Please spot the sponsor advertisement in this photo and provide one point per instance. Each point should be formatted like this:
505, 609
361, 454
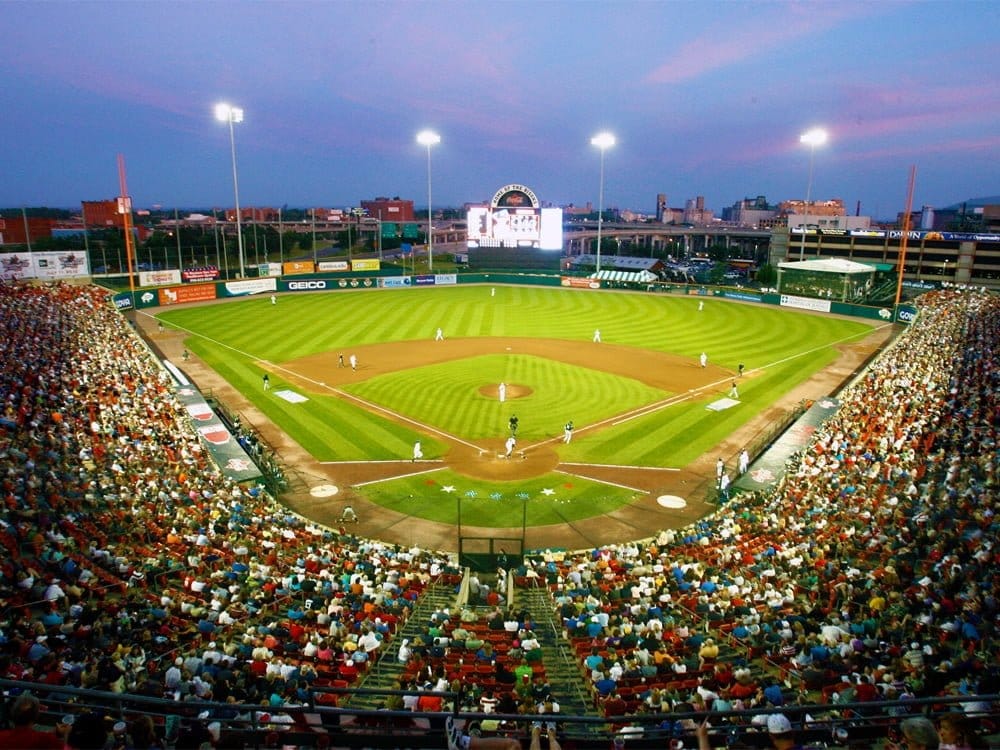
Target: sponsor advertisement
44, 265
365, 264
424, 280
394, 282
293, 267
356, 283
446, 278
333, 265
742, 296
250, 286
123, 301
805, 303
269, 269
178, 295
313, 285
159, 278
200, 273
906, 314
577, 282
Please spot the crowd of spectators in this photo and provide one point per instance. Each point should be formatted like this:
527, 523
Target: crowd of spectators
132, 564
869, 573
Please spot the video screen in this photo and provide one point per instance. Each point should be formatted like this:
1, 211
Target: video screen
539, 228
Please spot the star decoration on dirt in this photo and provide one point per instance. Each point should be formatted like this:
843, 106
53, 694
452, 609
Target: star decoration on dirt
548, 491
447, 488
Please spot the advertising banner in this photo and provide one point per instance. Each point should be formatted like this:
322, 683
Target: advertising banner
333, 265
250, 286
224, 448
44, 265
394, 282
578, 282
159, 278
906, 314
60, 265
365, 264
269, 269
745, 296
292, 267
445, 278
423, 280
200, 273
365, 283
307, 285
805, 303
178, 295
770, 466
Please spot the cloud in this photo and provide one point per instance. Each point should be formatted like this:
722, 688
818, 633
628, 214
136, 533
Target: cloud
733, 42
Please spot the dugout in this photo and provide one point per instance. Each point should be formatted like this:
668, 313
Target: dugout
833, 279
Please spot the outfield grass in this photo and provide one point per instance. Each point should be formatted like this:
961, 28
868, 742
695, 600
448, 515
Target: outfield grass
549, 499
790, 346
447, 395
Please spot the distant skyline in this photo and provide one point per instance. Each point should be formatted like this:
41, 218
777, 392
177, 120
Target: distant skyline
704, 98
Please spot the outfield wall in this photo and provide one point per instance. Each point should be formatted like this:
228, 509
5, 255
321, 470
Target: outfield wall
167, 296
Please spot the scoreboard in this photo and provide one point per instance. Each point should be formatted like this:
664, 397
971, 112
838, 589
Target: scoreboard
513, 219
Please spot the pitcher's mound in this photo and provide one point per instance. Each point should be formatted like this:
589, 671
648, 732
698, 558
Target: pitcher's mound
513, 391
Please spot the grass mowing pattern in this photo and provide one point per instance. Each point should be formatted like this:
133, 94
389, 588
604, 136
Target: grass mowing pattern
232, 337
498, 503
447, 395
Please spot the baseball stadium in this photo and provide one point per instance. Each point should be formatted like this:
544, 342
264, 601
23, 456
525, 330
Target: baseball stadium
496, 508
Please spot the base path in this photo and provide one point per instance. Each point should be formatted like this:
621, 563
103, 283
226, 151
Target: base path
482, 459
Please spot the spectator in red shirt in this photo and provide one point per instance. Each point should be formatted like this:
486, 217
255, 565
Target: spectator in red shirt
23, 716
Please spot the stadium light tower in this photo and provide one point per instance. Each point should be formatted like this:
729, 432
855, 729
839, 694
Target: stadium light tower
225, 113
603, 141
429, 138
812, 138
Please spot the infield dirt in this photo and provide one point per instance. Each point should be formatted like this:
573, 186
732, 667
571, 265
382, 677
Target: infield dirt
639, 519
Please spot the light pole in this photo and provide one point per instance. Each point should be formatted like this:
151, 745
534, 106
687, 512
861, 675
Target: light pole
429, 138
602, 141
226, 113
813, 138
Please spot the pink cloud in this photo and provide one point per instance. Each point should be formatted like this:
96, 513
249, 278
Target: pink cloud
768, 27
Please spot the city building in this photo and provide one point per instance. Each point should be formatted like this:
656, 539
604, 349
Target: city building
930, 256
389, 209
750, 212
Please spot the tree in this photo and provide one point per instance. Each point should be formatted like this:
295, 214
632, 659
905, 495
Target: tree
718, 252
718, 273
767, 275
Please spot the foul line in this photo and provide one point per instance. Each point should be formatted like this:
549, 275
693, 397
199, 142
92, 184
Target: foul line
601, 481
620, 466
399, 476
653, 408
343, 394
381, 461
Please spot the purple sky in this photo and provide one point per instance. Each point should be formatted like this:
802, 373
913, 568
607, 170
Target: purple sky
705, 98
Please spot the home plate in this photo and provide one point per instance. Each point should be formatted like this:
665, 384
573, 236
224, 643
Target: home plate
324, 490
671, 501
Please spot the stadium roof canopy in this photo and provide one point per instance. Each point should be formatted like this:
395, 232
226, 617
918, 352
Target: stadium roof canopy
618, 262
641, 277
830, 265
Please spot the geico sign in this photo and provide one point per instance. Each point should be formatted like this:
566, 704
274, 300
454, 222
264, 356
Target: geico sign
298, 286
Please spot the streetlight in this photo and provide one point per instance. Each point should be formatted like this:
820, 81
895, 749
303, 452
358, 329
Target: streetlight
602, 141
429, 138
813, 138
225, 113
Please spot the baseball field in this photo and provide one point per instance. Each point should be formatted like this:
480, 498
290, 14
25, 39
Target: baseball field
648, 417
